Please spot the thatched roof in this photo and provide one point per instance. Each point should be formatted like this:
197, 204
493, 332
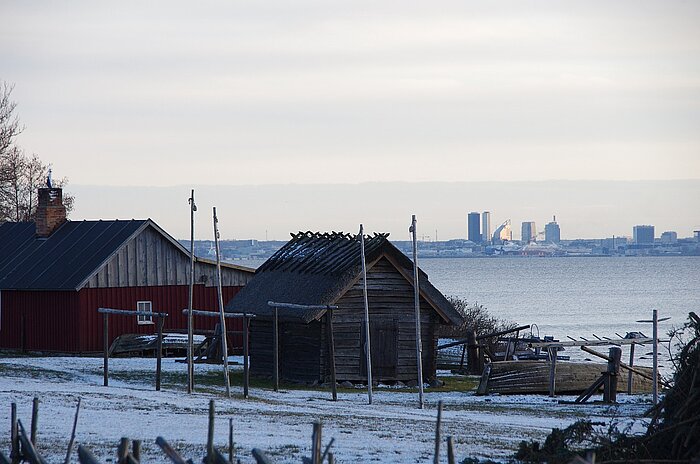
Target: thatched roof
317, 268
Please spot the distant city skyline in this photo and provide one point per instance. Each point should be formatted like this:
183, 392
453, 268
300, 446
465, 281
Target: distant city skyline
584, 209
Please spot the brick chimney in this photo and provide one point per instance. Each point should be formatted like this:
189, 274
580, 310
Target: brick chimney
50, 213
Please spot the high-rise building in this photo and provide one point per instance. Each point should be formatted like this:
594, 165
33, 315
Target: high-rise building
486, 227
528, 232
643, 235
502, 234
669, 237
473, 227
552, 233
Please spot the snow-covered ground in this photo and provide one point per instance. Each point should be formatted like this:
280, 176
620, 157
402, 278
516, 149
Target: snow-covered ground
392, 429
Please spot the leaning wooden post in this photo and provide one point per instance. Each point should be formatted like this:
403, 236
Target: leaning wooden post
655, 365
450, 450
105, 342
630, 376
473, 353
368, 350
230, 441
224, 342
159, 354
331, 352
436, 457
246, 371
72, 435
122, 450
190, 318
610, 389
276, 349
316, 445
553, 370
416, 296
210, 434
14, 435
136, 450
35, 419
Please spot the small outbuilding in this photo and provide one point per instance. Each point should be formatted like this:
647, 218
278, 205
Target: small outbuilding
56, 273
326, 269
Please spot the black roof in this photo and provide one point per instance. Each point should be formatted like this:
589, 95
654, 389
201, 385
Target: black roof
63, 260
316, 268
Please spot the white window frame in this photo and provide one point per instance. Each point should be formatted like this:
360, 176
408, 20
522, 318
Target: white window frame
144, 306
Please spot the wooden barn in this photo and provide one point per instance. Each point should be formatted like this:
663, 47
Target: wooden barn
326, 269
55, 273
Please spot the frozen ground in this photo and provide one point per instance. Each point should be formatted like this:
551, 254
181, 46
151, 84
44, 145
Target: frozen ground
392, 429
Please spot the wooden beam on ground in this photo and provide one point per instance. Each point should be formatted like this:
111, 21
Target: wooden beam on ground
169, 451
85, 456
261, 457
29, 453
624, 366
72, 435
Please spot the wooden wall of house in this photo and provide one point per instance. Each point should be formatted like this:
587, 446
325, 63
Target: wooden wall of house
300, 351
150, 259
391, 307
168, 299
39, 321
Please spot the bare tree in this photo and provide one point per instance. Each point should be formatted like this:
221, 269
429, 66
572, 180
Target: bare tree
21, 175
9, 122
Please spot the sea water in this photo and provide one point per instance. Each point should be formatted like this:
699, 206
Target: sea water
576, 297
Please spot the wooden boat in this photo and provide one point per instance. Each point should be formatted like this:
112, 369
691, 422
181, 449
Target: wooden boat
526, 377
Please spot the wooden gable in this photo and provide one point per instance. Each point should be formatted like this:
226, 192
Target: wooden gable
151, 258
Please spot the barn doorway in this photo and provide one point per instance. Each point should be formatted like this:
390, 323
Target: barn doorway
384, 346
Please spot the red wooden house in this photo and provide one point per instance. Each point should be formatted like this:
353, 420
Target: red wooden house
55, 273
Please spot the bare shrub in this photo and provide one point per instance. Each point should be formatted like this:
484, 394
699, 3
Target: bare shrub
476, 317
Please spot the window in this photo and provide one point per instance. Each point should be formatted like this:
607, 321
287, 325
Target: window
144, 306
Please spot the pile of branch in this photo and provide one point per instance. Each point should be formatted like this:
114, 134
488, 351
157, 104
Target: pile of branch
674, 432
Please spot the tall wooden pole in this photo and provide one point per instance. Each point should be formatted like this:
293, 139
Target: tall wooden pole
246, 374
630, 377
159, 354
105, 342
190, 320
276, 349
331, 352
416, 295
368, 352
224, 347
655, 368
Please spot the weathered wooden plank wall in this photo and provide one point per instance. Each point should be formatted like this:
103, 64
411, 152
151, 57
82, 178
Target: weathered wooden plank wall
304, 348
391, 305
149, 259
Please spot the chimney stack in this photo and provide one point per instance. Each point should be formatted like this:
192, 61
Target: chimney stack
50, 213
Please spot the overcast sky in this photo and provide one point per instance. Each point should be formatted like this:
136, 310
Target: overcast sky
253, 92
